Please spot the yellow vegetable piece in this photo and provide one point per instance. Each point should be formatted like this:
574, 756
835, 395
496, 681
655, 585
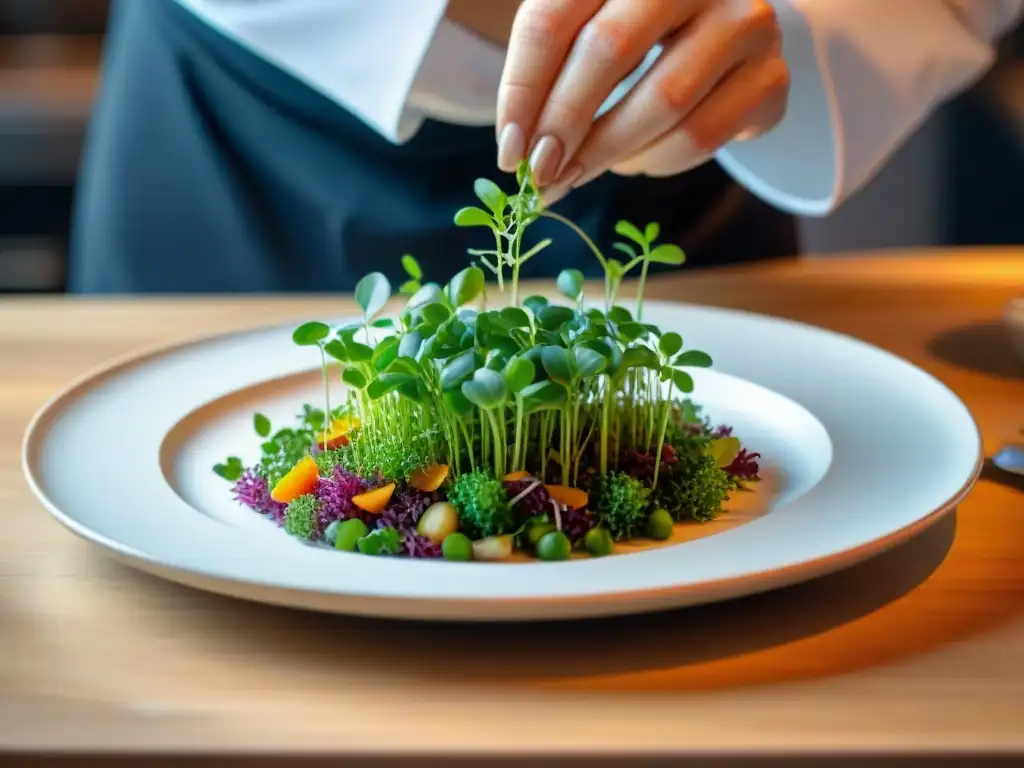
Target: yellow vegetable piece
300, 480
570, 497
375, 501
428, 479
512, 477
337, 435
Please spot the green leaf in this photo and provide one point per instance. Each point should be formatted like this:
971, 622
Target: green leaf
668, 254
693, 358
490, 194
558, 364
474, 217
428, 294
383, 322
724, 450
627, 229
380, 541
651, 232
519, 373
466, 286
372, 293
310, 334
553, 316
570, 283
535, 303
230, 470
409, 287
670, 343
410, 344
261, 424
412, 267
542, 394
458, 369
434, 313
358, 353
625, 248
353, 378
683, 381
615, 269
619, 315
387, 383
336, 349
457, 403
384, 353
589, 362
631, 331
640, 357
515, 317
486, 389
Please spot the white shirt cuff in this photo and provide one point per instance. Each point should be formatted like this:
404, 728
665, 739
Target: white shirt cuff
863, 78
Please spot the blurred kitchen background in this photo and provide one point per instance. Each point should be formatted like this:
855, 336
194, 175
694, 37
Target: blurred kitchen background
957, 182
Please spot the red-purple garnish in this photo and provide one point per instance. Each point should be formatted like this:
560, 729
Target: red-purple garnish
335, 496
420, 546
253, 491
531, 497
744, 466
406, 510
576, 523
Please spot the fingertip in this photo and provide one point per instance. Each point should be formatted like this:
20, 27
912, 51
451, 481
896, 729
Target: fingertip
511, 147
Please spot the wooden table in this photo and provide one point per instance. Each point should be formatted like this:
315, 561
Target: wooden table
921, 649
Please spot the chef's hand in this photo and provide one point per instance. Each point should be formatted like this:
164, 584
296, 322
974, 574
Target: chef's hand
721, 77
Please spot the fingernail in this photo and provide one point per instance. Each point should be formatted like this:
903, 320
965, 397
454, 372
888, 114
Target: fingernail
511, 147
545, 160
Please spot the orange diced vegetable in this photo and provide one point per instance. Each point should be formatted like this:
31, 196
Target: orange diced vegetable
512, 477
337, 435
428, 479
570, 497
300, 480
375, 501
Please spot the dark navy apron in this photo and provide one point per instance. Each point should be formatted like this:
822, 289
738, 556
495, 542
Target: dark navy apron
209, 169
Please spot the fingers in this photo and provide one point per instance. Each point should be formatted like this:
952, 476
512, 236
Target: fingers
750, 100
608, 47
694, 65
542, 35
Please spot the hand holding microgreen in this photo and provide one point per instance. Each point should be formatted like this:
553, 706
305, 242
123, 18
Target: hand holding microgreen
534, 426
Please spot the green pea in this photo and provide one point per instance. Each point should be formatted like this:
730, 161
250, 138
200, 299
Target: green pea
598, 542
554, 546
349, 533
458, 547
538, 531
660, 525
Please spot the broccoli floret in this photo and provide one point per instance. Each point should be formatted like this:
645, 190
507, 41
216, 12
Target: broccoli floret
482, 502
694, 488
621, 503
300, 517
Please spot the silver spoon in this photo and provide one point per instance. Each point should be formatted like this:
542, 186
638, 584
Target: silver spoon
1010, 458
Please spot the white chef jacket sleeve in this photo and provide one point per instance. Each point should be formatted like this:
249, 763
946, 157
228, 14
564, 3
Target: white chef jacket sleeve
367, 55
865, 74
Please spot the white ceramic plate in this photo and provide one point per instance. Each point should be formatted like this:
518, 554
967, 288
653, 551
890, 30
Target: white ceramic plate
866, 450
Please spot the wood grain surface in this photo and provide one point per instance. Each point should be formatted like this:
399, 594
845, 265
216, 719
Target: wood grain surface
920, 649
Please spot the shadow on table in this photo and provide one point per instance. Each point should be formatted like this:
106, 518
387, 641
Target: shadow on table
983, 348
707, 647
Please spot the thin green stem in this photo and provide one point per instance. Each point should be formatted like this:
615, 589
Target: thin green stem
640, 291
661, 444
